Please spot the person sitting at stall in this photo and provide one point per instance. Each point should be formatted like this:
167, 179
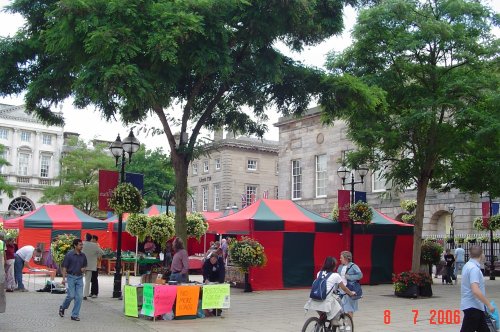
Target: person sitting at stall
214, 269
149, 246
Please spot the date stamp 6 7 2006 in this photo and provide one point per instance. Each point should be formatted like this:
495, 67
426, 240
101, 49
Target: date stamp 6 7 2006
436, 317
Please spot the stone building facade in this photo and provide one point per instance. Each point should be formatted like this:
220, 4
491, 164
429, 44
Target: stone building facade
232, 168
309, 156
33, 150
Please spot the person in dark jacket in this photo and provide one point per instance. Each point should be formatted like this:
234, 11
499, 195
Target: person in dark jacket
214, 269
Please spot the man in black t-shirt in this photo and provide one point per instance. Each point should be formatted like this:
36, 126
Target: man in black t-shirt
73, 268
450, 261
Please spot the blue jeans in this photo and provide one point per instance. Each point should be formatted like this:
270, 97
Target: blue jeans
177, 276
75, 291
18, 271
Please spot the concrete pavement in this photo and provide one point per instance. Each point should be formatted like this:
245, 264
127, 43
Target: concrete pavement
257, 311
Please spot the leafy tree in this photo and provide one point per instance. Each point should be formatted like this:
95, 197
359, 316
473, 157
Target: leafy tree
415, 86
79, 177
135, 57
4, 186
158, 174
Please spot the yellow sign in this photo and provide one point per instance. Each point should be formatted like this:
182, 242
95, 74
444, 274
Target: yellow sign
215, 297
187, 300
131, 301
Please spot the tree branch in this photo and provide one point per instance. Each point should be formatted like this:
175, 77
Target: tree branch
166, 127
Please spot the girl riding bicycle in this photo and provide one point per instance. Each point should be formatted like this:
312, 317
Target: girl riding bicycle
330, 305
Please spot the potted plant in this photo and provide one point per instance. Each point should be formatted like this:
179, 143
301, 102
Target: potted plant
196, 225
137, 225
430, 254
470, 239
60, 247
408, 205
126, 198
161, 228
405, 284
247, 253
361, 212
460, 240
483, 239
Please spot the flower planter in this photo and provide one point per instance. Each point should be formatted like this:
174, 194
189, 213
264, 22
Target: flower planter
425, 290
410, 292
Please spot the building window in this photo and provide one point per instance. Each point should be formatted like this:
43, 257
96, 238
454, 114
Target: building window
23, 163
47, 139
194, 200
217, 164
204, 198
44, 166
296, 180
321, 175
251, 194
4, 133
25, 136
251, 165
277, 168
216, 197
195, 169
205, 166
4, 156
378, 181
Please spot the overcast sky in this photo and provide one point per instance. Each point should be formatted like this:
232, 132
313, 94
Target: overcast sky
89, 124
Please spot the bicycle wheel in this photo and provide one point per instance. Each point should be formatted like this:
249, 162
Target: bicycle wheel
346, 324
313, 324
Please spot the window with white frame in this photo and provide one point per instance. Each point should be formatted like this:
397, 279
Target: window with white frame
47, 139
194, 200
296, 179
251, 193
23, 163
205, 166
25, 136
204, 198
216, 197
321, 176
195, 168
217, 164
251, 165
379, 183
45, 166
5, 156
4, 133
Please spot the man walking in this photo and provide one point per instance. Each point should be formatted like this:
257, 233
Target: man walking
93, 252
473, 300
73, 267
22, 259
459, 261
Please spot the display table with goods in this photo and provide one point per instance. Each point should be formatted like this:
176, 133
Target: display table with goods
167, 302
128, 263
196, 261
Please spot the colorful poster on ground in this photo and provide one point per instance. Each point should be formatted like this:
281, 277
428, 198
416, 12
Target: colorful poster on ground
187, 300
215, 297
131, 301
164, 298
148, 300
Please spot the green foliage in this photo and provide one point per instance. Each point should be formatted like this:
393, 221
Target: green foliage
9, 233
409, 205
79, 176
408, 218
61, 246
431, 252
247, 253
361, 212
161, 228
335, 212
493, 223
126, 198
137, 225
4, 186
136, 57
419, 83
403, 280
196, 225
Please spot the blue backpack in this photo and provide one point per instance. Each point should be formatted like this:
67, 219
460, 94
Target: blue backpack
318, 289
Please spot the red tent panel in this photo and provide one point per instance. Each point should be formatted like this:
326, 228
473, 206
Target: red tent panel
270, 276
326, 244
363, 252
403, 253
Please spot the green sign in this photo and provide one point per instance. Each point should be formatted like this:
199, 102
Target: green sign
148, 300
131, 301
215, 297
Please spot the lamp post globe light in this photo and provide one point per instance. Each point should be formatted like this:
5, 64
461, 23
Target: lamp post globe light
343, 172
120, 151
451, 209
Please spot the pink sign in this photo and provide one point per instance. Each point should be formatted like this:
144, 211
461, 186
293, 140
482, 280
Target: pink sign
164, 298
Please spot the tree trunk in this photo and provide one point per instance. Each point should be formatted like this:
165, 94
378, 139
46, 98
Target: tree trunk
419, 222
180, 162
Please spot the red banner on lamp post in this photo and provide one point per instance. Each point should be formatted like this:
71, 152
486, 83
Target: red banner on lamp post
344, 199
108, 181
485, 207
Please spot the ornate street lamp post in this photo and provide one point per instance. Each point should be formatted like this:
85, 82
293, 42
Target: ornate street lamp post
451, 208
343, 172
121, 150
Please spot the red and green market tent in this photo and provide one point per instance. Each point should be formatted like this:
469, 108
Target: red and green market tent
381, 248
45, 223
296, 241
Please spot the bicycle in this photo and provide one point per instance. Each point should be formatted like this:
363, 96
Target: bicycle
321, 324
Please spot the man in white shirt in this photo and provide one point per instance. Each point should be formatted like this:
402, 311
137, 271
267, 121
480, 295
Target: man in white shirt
459, 261
93, 252
21, 260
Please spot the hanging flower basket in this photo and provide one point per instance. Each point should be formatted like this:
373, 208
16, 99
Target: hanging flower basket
196, 225
61, 246
161, 228
361, 212
126, 198
247, 253
409, 205
430, 253
137, 225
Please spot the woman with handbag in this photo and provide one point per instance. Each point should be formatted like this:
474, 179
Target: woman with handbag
349, 272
